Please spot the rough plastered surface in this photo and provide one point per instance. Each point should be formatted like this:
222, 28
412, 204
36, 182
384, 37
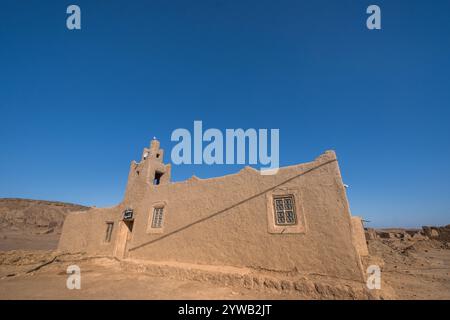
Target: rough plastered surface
225, 221
300, 286
359, 237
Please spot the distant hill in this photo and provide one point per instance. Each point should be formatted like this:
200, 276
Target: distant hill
32, 215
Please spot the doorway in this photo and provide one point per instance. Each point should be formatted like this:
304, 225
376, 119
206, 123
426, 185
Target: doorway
123, 238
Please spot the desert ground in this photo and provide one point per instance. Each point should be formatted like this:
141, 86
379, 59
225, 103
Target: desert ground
413, 267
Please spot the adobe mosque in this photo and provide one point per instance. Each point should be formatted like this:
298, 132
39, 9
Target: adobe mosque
297, 219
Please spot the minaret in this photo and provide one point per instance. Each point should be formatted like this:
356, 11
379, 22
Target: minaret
150, 172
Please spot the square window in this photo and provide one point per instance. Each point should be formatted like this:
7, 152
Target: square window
285, 210
157, 217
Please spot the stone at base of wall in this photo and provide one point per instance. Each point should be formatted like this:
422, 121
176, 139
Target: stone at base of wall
301, 286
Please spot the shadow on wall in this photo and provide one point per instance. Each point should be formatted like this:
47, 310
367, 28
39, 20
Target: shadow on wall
231, 207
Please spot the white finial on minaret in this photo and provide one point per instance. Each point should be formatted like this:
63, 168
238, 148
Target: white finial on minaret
154, 138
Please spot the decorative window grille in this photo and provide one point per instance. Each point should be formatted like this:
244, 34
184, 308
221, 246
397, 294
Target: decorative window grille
109, 228
284, 207
157, 217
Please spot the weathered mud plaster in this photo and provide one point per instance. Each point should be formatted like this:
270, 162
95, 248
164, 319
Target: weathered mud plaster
359, 237
228, 221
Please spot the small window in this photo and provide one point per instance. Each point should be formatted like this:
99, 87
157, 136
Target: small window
109, 228
157, 178
157, 217
157, 155
284, 209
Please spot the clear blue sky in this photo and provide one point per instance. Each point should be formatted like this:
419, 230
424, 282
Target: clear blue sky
77, 106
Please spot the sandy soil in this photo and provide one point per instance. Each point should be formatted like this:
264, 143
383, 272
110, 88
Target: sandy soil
414, 269
16, 240
103, 279
410, 270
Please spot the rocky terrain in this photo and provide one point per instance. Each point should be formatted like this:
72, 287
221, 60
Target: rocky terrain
32, 224
415, 264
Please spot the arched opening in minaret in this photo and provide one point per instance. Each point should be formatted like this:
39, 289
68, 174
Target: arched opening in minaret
157, 178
